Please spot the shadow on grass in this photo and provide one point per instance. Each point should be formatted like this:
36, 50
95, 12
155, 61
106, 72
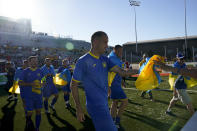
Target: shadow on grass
3, 91
7, 121
167, 103
68, 127
88, 125
152, 122
131, 102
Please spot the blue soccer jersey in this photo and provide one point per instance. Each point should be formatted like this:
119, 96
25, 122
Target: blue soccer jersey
116, 90
92, 71
50, 87
182, 85
17, 77
66, 75
33, 95
60, 69
18, 73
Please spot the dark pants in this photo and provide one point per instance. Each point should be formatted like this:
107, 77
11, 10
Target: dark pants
149, 92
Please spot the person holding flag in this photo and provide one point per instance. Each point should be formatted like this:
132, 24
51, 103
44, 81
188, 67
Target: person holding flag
65, 74
142, 64
180, 87
49, 88
17, 77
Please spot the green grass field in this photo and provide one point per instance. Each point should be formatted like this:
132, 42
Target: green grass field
140, 115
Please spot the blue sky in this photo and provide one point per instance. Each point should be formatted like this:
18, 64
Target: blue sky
80, 18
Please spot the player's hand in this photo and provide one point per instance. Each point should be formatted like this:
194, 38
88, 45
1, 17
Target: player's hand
80, 114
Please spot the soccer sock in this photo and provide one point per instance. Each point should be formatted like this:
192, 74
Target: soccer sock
117, 119
46, 105
38, 119
66, 98
54, 101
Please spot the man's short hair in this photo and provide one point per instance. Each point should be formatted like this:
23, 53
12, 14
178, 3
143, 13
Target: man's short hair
117, 47
32, 57
97, 34
25, 61
47, 59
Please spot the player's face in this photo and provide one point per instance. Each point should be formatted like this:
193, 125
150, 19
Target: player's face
65, 62
25, 64
119, 52
102, 45
34, 62
48, 62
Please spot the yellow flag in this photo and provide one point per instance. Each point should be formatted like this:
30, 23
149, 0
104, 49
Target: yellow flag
15, 88
59, 81
147, 78
172, 79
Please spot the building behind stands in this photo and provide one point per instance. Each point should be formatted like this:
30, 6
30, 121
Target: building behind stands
19, 32
164, 47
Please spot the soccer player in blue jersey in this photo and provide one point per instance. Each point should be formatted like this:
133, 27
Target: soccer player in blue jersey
117, 93
180, 89
31, 80
49, 88
65, 71
92, 70
17, 77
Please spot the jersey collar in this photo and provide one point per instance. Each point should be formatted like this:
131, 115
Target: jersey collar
97, 57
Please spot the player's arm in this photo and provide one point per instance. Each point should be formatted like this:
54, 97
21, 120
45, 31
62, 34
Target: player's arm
22, 83
122, 72
181, 71
75, 93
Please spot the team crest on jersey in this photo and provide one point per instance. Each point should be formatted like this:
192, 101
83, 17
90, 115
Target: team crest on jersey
94, 65
38, 74
104, 64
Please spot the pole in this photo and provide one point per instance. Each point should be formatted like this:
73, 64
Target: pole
193, 53
131, 56
135, 31
185, 31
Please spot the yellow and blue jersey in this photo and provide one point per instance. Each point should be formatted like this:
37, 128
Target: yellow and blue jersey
116, 90
30, 75
66, 76
46, 71
173, 77
61, 68
92, 71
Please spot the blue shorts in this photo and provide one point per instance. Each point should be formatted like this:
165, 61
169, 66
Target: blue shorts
117, 93
101, 118
66, 88
33, 102
49, 90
